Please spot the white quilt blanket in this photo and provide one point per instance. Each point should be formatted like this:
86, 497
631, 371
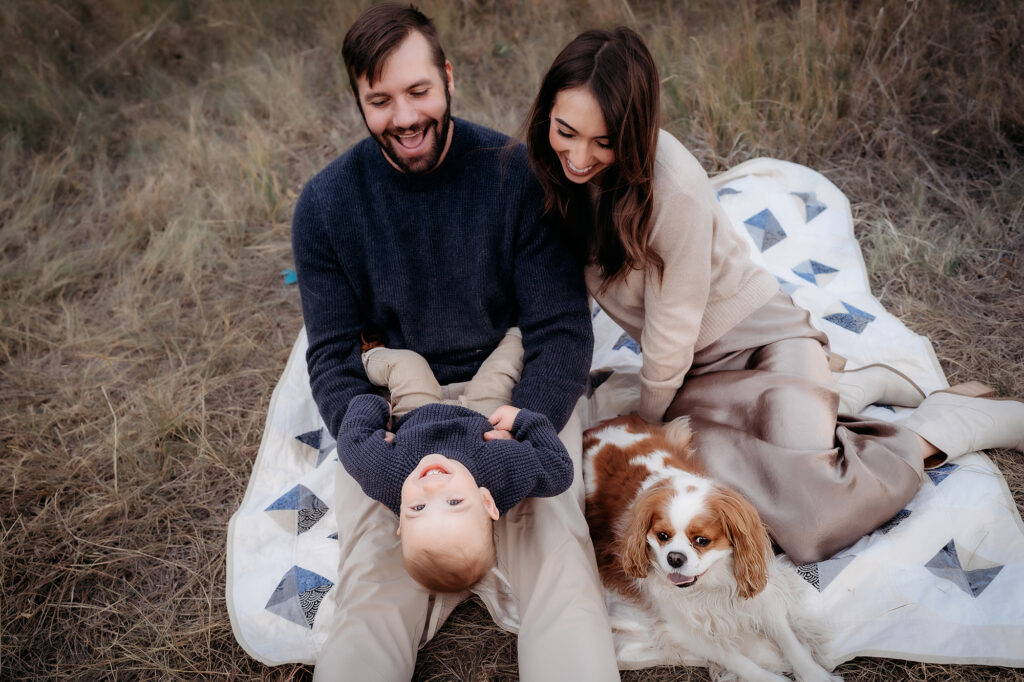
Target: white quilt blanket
941, 582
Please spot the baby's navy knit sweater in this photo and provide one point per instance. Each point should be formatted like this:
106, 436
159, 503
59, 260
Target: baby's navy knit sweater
535, 464
442, 263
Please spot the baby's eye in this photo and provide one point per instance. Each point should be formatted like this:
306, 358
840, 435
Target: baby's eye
454, 502
663, 536
417, 507
701, 541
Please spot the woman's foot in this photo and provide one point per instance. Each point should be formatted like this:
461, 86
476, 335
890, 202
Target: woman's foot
957, 424
875, 384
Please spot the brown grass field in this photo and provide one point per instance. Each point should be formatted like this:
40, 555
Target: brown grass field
151, 152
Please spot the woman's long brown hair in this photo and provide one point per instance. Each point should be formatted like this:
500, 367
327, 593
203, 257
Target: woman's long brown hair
616, 67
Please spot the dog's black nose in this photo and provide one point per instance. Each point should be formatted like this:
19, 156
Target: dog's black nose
676, 559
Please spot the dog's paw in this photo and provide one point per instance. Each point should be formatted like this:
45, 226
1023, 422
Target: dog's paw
817, 675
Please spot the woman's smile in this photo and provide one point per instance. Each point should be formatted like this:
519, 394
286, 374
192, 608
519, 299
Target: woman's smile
579, 136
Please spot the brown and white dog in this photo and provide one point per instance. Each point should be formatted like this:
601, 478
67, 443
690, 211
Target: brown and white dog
693, 555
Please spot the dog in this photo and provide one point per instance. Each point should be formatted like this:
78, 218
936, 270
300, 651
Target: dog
693, 555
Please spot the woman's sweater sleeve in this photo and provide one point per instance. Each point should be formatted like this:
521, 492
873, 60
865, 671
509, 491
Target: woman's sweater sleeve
682, 232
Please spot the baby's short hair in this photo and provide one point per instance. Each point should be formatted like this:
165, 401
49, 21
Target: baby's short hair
451, 569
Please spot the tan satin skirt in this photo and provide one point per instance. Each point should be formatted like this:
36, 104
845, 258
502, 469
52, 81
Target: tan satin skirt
763, 406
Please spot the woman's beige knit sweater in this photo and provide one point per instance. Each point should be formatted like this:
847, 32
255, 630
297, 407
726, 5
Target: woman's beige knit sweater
709, 284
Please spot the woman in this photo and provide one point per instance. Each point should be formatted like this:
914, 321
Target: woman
720, 342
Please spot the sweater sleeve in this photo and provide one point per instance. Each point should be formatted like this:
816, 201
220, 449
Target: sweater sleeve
535, 464
364, 453
674, 306
330, 313
558, 340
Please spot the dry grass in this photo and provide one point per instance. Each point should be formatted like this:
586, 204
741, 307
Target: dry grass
150, 156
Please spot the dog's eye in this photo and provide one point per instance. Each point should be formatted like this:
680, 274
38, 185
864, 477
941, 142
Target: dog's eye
663, 536
701, 541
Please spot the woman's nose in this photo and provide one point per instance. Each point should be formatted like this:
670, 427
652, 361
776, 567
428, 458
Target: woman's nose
580, 157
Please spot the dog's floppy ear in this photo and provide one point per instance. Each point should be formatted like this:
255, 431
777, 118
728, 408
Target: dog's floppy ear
635, 558
751, 547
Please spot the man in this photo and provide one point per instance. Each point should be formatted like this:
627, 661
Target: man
427, 234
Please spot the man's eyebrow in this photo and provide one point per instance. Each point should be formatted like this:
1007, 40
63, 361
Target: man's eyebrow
596, 137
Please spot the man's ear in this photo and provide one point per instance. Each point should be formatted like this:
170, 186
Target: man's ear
489, 505
448, 77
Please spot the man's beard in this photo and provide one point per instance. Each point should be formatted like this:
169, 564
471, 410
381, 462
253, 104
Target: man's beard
423, 163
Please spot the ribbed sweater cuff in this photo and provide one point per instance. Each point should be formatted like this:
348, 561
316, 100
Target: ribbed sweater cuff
654, 402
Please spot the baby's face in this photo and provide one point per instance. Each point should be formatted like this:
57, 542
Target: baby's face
444, 512
441, 493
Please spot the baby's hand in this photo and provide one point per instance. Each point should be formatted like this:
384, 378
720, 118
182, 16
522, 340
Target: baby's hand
388, 436
502, 420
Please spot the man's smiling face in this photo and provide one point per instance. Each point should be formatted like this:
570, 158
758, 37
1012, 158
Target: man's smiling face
408, 109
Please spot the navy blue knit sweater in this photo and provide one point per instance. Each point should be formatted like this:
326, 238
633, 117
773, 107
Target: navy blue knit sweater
442, 263
535, 464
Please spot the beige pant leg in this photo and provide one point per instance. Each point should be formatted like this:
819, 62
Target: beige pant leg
544, 550
763, 404
491, 386
405, 374
381, 611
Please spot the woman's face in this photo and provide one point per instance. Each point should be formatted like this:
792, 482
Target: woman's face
579, 136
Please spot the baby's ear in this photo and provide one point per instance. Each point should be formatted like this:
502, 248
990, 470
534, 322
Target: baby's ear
489, 505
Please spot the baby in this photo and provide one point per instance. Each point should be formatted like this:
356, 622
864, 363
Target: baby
445, 480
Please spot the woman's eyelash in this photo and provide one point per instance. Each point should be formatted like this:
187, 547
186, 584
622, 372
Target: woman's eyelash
602, 145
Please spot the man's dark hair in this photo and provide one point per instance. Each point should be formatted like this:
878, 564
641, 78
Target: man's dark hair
377, 33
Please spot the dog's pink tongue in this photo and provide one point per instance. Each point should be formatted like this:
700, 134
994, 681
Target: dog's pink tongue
680, 580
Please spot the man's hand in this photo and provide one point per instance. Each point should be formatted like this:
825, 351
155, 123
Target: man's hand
502, 419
